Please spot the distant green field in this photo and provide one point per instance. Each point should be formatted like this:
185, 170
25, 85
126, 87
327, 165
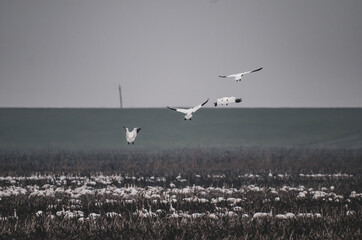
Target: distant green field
102, 128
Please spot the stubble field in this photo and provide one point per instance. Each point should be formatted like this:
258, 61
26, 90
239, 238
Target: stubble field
249, 193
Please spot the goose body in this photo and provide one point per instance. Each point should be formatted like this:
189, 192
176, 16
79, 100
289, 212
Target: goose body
238, 76
281, 217
260, 215
227, 100
189, 112
131, 135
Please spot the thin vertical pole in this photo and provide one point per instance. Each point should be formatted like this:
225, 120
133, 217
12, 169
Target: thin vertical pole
120, 96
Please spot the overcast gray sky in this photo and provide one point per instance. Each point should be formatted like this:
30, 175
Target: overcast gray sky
74, 53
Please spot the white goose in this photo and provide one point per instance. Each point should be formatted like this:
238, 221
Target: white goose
227, 100
131, 136
188, 112
238, 76
260, 215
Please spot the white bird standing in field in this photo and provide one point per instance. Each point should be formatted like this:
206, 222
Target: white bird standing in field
238, 76
188, 112
227, 100
260, 215
131, 136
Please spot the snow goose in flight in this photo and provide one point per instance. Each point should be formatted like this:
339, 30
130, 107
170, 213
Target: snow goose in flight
238, 76
188, 112
227, 100
131, 136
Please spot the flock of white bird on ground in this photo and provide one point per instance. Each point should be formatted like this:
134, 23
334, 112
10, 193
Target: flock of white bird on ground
131, 135
71, 193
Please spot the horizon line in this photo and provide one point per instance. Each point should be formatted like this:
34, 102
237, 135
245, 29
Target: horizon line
125, 108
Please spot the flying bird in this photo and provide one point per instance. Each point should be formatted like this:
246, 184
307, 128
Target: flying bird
188, 112
238, 76
227, 100
131, 136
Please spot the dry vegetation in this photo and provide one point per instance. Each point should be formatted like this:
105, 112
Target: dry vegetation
236, 193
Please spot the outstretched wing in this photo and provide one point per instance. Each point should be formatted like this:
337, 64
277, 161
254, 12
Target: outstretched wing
257, 69
199, 106
253, 71
204, 102
229, 76
181, 110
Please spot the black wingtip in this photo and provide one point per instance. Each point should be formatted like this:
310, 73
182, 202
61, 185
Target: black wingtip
222, 76
171, 108
215, 104
138, 129
257, 69
205, 102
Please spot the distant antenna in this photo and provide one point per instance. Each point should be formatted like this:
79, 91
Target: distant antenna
120, 96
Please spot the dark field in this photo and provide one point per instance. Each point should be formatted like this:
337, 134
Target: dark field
182, 194
227, 174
